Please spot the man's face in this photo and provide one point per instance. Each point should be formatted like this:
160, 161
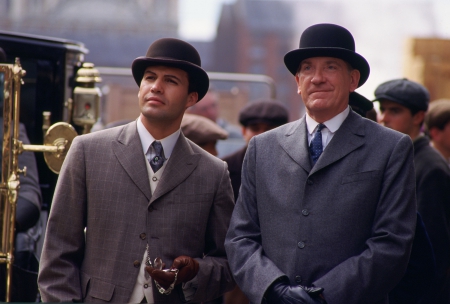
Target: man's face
398, 117
163, 94
255, 129
442, 137
324, 84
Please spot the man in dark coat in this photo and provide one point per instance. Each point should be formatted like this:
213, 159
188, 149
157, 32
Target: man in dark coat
403, 104
326, 209
256, 117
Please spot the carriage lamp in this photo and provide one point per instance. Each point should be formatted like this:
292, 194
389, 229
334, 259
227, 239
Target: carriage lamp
86, 97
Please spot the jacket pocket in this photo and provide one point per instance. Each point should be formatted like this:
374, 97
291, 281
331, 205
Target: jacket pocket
360, 176
96, 288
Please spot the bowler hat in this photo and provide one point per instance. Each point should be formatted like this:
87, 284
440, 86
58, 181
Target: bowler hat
174, 53
327, 40
263, 111
408, 93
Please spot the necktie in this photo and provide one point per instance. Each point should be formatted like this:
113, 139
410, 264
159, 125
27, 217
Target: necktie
157, 162
316, 148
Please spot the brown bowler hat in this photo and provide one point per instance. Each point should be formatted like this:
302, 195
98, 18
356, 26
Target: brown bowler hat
327, 40
174, 53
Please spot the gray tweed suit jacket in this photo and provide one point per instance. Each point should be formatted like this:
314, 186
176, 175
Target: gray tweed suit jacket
345, 224
104, 187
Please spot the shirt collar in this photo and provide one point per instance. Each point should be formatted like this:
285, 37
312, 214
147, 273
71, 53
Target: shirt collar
147, 139
332, 125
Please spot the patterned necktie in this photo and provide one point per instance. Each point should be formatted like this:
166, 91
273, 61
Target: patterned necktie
316, 148
157, 162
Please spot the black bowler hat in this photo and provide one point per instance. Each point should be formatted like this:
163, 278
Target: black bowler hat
327, 40
408, 93
263, 111
174, 53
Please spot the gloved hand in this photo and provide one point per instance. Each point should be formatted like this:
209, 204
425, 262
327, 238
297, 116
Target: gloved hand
281, 292
187, 266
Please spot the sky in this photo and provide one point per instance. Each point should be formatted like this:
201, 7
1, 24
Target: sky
198, 18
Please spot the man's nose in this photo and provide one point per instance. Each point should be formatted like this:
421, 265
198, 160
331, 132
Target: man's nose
156, 86
318, 76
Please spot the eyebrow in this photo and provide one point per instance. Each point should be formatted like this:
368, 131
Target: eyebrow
165, 75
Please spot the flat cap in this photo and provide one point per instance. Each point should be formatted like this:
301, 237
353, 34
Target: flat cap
201, 130
266, 111
408, 93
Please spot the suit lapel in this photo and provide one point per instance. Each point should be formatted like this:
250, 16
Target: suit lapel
128, 150
180, 165
348, 138
295, 143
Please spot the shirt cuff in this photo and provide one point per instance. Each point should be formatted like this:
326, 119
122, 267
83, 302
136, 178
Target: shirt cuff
190, 288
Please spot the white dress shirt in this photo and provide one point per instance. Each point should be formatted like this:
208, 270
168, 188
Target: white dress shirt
331, 126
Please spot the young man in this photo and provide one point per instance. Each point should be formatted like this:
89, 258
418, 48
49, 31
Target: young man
437, 121
326, 210
403, 104
146, 196
255, 118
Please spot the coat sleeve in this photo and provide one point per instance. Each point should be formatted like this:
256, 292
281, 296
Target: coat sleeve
63, 250
369, 276
214, 277
253, 271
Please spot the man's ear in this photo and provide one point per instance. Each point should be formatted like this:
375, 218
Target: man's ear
191, 99
355, 75
418, 118
297, 80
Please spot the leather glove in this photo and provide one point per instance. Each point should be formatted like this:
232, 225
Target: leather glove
281, 292
187, 266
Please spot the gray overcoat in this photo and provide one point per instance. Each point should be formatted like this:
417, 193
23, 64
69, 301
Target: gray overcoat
104, 186
346, 224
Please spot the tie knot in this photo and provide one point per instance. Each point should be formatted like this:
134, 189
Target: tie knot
157, 162
320, 127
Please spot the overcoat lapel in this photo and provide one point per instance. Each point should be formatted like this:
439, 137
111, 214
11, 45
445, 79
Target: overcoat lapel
128, 150
348, 138
180, 165
295, 143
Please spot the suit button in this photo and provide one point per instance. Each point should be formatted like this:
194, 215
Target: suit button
145, 285
301, 245
143, 236
305, 212
154, 178
309, 182
136, 263
298, 279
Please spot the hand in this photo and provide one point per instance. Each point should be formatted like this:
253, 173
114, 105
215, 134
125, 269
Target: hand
188, 268
283, 293
164, 278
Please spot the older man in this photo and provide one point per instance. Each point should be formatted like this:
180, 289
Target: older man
326, 210
147, 196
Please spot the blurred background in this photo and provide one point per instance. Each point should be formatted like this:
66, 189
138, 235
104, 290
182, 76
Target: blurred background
399, 38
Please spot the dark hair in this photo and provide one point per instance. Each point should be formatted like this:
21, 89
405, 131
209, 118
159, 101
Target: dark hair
438, 114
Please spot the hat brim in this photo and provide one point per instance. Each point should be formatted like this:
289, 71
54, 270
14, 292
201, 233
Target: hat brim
196, 73
293, 59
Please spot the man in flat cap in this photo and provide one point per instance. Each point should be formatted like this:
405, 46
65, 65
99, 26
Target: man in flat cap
326, 209
403, 104
138, 198
256, 117
203, 132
